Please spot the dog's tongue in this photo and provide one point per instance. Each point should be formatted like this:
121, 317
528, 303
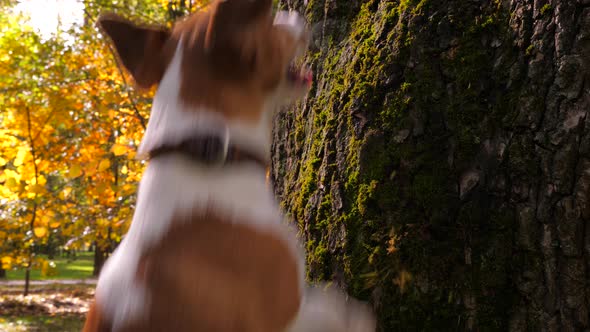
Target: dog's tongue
302, 75
308, 77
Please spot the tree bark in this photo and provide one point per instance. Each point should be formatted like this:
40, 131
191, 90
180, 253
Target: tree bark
440, 166
27, 278
100, 257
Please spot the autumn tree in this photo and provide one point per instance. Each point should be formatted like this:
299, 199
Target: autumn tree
71, 120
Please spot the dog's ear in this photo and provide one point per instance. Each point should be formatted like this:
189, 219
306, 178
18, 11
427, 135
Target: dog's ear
140, 49
229, 15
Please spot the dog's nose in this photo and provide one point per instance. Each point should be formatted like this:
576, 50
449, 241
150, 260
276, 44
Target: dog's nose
292, 20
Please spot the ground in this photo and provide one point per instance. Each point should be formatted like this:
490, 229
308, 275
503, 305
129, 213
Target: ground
57, 303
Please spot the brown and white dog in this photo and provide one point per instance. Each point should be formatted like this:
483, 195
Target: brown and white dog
208, 248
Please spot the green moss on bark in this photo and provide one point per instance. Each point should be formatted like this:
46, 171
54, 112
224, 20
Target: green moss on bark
402, 106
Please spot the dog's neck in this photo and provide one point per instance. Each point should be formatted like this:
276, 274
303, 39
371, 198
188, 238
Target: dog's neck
172, 120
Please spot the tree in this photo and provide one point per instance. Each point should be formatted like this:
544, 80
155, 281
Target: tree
440, 166
70, 121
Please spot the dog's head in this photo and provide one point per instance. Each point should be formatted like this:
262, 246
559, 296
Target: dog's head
235, 56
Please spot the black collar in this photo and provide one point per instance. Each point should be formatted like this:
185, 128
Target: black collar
209, 150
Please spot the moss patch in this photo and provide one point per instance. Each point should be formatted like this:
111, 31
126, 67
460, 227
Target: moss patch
407, 95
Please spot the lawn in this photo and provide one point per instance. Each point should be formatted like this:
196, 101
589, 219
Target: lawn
78, 268
41, 324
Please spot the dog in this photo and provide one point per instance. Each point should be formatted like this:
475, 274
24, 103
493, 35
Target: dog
208, 248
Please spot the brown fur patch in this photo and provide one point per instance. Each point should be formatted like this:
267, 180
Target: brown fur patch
95, 321
210, 275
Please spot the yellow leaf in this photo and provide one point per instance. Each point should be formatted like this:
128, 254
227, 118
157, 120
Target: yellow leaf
54, 224
124, 169
40, 231
47, 218
104, 164
41, 180
2, 161
20, 157
65, 193
91, 168
11, 183
402, 280
6, 262
119, 149
101, 187
36, 189
75, 171
48, 269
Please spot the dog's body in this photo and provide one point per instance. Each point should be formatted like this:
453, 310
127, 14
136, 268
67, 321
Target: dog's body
208, 248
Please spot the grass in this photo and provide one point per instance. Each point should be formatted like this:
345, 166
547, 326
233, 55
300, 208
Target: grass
41, 323
79, 268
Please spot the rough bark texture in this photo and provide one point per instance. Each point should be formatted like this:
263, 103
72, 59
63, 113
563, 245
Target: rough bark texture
440, 166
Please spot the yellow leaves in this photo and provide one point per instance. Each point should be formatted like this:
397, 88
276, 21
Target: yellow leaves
48, 268
101, 188
402, 280
119, 149
65, 193
2, 161
392, 242
75, 171
36, 186
20, 156
43, 166
91, 168
103, 222
54, 224
40, 231
40, 180
104, 165
11, 183
36, 189
48, 218
6, 262
112, 114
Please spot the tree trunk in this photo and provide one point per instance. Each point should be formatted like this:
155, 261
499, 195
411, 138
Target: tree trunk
27, 279
100, 257
2, 273
440, 166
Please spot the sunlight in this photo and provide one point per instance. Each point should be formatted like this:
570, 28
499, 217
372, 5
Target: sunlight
46, 15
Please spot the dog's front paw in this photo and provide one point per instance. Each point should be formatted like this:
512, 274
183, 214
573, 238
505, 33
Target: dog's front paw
360, 317
327, 310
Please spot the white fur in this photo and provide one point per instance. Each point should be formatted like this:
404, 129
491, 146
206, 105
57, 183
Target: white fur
294, 22
325, 309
